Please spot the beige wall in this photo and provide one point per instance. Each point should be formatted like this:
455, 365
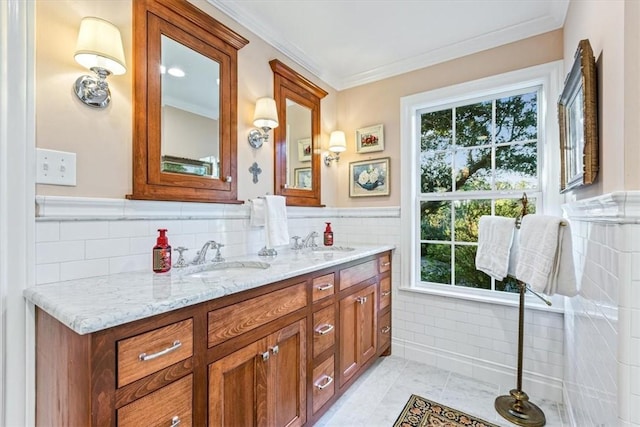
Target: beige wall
602, 23
102, 138
379, 102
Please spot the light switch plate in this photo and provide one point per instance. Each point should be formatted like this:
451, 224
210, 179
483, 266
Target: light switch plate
55, 167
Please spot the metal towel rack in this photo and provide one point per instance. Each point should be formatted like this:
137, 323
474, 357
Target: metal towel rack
516, 406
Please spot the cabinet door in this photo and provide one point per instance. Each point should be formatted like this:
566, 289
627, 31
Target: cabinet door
235, 397
358, 330
262, 384
287, 374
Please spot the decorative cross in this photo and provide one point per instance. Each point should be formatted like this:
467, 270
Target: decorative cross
255, 170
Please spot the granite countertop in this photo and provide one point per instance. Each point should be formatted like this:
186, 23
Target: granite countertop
97, 303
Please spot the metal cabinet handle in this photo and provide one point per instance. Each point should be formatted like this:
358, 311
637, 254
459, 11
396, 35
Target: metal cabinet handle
386, 329
144, 356
324, 329
275, 349
228, 178
385, 264
265, 356
175, 421
324, 382
385, 293
361, 300
325, 287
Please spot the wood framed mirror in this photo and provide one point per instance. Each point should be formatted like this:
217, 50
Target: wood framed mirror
297, 138
185, 104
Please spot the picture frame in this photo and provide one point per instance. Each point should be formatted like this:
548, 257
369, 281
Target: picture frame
185, 166
578, 122
370, 139
369, 178
304, 150
302, 177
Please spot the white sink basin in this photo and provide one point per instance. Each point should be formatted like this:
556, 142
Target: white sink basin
229, 269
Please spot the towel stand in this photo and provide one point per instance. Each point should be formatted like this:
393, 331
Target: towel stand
516, 407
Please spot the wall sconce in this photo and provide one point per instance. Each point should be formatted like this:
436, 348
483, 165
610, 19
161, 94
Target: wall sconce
266, 118
337, 144
99, 48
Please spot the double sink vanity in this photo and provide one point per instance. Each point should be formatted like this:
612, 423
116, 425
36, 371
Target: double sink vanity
247, 341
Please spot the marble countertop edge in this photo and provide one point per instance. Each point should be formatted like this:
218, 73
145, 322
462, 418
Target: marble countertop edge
97, 303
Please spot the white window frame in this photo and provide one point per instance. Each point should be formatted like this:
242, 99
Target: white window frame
549, 76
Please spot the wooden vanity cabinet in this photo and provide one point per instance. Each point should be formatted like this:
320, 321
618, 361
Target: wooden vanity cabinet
277, 355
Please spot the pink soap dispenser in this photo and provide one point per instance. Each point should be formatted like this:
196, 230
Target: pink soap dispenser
162, 253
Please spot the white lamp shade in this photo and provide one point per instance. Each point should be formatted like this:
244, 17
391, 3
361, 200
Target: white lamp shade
266, 114
100, 45
337, 142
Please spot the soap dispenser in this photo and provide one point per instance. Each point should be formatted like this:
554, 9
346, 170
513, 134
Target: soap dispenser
328, 235
162, 253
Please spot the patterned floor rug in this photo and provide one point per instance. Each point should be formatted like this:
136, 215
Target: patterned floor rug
421, 412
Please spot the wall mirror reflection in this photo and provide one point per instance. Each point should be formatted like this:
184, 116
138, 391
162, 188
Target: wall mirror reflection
185, 104
297, 139
190, 140
298, 144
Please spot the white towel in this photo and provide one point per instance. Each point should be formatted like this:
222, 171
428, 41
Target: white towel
545, 256
276, 221
495, 236
257, 213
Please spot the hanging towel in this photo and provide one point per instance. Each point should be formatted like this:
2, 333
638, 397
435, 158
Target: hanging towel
545, 256
257, 213
276, 221
513, 255
495, 236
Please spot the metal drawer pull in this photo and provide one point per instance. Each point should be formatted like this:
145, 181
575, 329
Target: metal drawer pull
327, 380
144, 356
275, 349
265, 356
385, 264
324, 329
325, 287
386, 329
386, 293
361, 300
175, 421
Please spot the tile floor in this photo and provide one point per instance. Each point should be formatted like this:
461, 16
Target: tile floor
377, 398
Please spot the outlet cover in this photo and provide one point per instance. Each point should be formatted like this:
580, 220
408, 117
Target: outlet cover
55, 167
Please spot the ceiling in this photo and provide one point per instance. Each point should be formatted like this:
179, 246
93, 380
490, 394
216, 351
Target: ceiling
352, 42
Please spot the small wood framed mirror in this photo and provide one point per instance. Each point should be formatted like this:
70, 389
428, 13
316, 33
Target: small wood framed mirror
297, 138
185, 104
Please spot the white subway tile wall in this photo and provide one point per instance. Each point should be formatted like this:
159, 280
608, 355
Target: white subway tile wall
593, 330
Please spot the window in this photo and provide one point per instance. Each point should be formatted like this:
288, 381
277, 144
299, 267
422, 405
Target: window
474, 149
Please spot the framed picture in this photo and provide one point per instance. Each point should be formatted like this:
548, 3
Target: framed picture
370, 139
186, 166
369, 178
304, 150
578, 120
302, 177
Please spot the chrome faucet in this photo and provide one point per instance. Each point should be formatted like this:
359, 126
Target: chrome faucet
217, 246
201, 256
310, 240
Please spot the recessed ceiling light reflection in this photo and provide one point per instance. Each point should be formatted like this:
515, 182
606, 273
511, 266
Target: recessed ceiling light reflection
176, 72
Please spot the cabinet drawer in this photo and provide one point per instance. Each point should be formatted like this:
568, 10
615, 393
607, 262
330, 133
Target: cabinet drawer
323, 286
171, 405
234, 320
324, 335
385, 292
152, 351
323, 384
384, 331
358, 273
384, 263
